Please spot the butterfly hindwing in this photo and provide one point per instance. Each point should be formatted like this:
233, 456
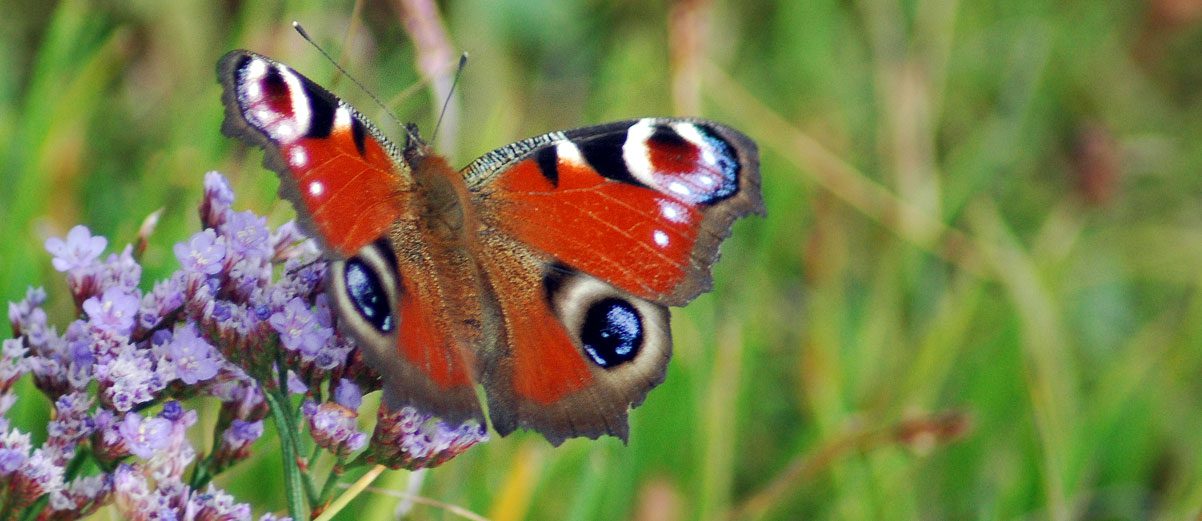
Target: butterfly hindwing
574, 353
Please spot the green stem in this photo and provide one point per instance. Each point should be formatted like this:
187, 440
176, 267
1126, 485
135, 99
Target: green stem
291, 414
332, 479
292, 476
32, 512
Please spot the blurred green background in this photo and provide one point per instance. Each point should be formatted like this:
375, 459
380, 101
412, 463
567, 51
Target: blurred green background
976, 294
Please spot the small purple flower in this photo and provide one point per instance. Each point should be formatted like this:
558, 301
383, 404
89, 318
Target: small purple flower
299, 330
113, 311
216, 505
348, 395
70, 425
39, 475
285, 239
12, 363
145, 436
247, 234
202, 254
121, 271
295, 384
20, 312
163, 300
79, 250
11, 460
242, 433
193, 358
107, 441
217, 200
170, 463
333, 426
81, 497
236, 442
128, 380
411, 439
134, 497
14, 451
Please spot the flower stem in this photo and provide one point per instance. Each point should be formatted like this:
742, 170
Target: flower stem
293, 492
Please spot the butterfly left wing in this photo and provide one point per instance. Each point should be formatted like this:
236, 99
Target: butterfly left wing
586, 237
340, 172
410, 302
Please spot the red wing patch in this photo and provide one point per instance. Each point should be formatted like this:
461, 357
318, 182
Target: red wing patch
338, 171
642, 205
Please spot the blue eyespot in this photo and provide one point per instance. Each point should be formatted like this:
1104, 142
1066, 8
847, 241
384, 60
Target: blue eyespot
364, 289
612, 333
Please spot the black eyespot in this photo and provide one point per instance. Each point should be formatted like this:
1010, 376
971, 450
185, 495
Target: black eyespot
364, 289
612, 333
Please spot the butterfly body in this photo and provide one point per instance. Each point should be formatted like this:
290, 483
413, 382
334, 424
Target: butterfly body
541, 271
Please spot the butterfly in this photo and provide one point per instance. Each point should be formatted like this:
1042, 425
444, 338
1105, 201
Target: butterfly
541, 272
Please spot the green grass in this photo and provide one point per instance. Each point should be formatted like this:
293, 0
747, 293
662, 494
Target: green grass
929, 247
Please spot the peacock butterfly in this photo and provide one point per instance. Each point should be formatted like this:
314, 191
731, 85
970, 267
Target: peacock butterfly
542, 271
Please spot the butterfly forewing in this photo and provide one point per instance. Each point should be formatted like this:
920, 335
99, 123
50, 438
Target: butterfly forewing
339, 171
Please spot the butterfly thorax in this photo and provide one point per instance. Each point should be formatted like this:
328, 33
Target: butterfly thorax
439, 202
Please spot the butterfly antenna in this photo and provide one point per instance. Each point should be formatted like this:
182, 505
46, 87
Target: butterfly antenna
304, 34
447, 102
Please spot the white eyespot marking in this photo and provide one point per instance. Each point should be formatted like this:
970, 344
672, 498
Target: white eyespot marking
253, 92
689, 132
256, 69
316, 188
298, 158
284, 132
672, 211
292, 128
680, 188
568, 151
660, 238
637, 154
706, 180
342, 119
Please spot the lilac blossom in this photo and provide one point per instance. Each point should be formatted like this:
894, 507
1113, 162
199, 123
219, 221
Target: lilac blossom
81, 497
411, 439
217, 200
40, 474
203, 253
348, 395
79, 249
128, 380
192, 358
144, 436
113, 311
334, 427
236, 442
120, 271
13, 363
299, 329
248, 235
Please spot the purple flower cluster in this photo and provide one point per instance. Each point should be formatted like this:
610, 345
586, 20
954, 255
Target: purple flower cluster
246, 307
409, 438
